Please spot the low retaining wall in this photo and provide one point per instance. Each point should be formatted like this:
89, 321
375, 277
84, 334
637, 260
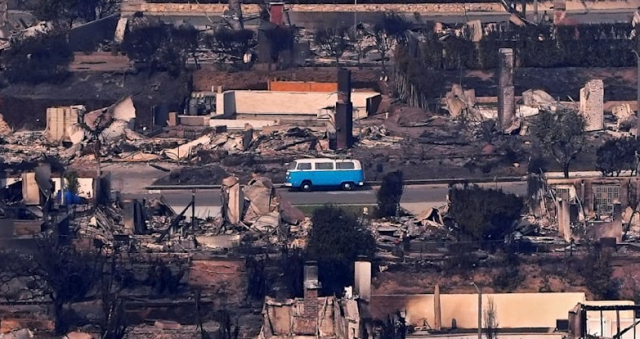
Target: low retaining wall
155, 8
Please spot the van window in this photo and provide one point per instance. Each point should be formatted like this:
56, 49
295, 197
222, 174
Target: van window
324, 166
304, 166
293, 165
345, 165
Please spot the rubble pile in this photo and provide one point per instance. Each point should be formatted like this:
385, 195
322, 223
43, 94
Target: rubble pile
429, 225
294, 140
256, 213
4, 127
378, 136
260, 209
26, 147
109, 133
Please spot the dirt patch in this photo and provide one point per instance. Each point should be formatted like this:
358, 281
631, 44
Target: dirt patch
550, 272
209, 76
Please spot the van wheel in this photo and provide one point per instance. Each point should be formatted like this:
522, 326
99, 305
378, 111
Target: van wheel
347, 186
306, 186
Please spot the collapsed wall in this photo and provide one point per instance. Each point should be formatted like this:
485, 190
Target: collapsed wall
25, 106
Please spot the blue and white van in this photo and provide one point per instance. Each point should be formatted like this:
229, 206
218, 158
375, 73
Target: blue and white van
304, 174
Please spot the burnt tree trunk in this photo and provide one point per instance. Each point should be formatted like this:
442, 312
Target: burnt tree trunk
235, 8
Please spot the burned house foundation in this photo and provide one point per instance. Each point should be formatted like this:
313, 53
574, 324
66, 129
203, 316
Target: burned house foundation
603, 205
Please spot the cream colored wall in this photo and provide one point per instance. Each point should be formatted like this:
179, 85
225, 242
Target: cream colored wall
514, 310
283, 103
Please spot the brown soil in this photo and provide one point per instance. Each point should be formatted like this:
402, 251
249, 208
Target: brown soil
548, 274
209, 76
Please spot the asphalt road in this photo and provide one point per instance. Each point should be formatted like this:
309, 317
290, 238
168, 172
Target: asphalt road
412, 194
314, 19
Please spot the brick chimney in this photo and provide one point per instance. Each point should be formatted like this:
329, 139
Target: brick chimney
309, 324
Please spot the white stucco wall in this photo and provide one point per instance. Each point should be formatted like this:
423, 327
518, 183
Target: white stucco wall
85, 188
288, 103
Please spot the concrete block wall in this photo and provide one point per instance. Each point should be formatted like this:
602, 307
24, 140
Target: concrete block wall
585, 188
59, 119
288, 103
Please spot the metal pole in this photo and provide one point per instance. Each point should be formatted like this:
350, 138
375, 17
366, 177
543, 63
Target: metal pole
193, 209
618, 324
355, 15
601, 325
479, 315
479, 310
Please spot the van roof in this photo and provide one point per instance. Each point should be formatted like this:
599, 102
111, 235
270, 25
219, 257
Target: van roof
322, 159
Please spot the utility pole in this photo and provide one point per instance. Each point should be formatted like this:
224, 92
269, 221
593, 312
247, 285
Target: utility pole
479, 309
355, 16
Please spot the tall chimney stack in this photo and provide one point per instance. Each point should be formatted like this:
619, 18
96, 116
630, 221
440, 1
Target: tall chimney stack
344, 111
506, 90
362, 279
309, 324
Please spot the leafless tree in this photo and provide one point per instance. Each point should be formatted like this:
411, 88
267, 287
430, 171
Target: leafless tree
55, 271
229, 329
633, 196
357, 39
490, 320
114, 280
166, 278
384, 42
69, 13
199, 321
231, 45
236, 21
333, 42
